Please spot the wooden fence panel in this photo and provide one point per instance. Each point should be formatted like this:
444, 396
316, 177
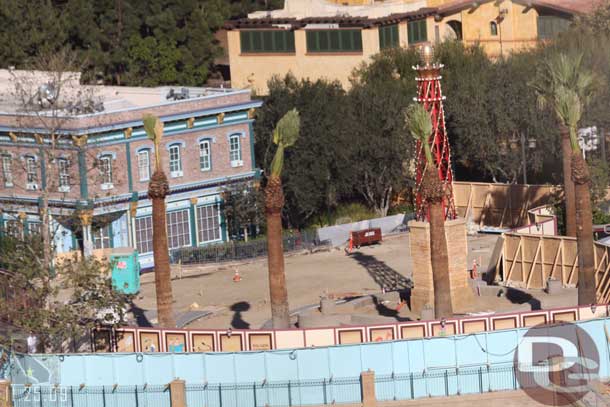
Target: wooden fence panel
529, 260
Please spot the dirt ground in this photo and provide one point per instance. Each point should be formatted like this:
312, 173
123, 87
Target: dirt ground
245, 304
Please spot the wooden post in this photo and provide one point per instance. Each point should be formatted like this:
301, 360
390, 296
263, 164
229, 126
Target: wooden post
367, 383
6, 397
177, 393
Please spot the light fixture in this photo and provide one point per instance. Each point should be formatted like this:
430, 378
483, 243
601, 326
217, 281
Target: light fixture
426, 53
443, 322
593, 308
229, 332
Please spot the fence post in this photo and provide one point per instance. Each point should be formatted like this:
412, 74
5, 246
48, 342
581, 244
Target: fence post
367, 383
177, 393
6, 397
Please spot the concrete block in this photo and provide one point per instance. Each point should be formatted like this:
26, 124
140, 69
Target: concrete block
327, 306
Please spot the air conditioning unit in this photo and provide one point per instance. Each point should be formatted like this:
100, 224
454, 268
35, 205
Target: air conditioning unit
32, 187
237, 163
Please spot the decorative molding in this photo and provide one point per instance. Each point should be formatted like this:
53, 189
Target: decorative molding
79, 141
128, 132
13, 136
181, 143
220, 118
133, 208
251, 112
85, 217
194, 201
190, 122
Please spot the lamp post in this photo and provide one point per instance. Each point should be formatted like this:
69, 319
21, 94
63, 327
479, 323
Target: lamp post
531, 144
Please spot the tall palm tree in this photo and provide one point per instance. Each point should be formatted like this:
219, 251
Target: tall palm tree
433, 191
285, 135
564, 83
158, 188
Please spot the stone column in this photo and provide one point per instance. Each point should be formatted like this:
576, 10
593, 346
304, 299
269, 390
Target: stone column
367, 383
457, 245
177, 393
86, 216
6, 397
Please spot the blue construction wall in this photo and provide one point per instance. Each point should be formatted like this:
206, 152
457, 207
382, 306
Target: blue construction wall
385, 358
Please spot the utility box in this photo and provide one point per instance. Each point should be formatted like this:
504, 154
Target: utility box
125, 270
366, 237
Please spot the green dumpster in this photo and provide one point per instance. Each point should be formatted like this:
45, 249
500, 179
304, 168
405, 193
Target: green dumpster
125, 270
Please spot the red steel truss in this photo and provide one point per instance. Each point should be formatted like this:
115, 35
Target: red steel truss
430, 95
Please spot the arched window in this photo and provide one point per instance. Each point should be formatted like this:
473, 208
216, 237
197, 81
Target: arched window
493, 28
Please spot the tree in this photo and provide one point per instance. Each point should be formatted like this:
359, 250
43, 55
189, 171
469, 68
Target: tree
285, 135
379, 150
316, 172
158, 188
420, 125
243, 205
60, 312
563, 82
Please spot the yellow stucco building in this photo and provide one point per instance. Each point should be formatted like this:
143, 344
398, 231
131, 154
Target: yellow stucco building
329, 38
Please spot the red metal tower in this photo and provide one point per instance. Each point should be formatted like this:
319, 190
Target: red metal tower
430, 95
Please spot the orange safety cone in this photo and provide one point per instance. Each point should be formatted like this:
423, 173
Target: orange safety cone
236, 277
350, 247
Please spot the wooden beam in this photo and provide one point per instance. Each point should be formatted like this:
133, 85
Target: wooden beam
555, 260
512, 266
572, 269
531, 272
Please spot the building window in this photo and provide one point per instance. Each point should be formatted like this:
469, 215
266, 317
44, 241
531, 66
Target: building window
34, 228
418, 31
102, 237
493, 28
178, 229
7, 170
144, 234
14, 228
550, 26
334, 41
388, 36
208, 223
175, 161
235, 151
31, 170
144, 165
272, 41
105, 167
64, 175
205, 155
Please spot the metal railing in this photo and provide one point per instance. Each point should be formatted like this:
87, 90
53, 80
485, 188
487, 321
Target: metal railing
440, 382
239, 250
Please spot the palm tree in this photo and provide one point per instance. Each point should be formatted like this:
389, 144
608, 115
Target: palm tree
285, 135
564, 83
433, 191
158, 188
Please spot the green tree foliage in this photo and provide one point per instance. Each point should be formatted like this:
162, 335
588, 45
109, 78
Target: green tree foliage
57, 310
243, 206
141, 42
313, 171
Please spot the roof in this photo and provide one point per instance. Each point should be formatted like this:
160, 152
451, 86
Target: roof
18, 85
342, 21
562, 6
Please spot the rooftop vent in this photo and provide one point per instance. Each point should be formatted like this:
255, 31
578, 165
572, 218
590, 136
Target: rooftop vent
182, 95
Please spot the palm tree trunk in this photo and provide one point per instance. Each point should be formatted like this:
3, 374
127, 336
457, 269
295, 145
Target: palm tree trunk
433, 193
568, 183
157, 191
584, 231
274, 201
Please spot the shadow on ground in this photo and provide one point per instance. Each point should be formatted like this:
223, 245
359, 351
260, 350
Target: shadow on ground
238, 322
516, 296
385, 276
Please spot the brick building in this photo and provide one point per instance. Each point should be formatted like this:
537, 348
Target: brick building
90, 163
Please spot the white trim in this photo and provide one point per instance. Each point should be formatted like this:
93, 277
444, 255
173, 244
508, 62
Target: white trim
146, 147
170, 144
210, 138
106, 153
106, 186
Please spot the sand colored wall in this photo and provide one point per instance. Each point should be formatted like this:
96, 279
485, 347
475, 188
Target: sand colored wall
518, 30
255, 70
419, 241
